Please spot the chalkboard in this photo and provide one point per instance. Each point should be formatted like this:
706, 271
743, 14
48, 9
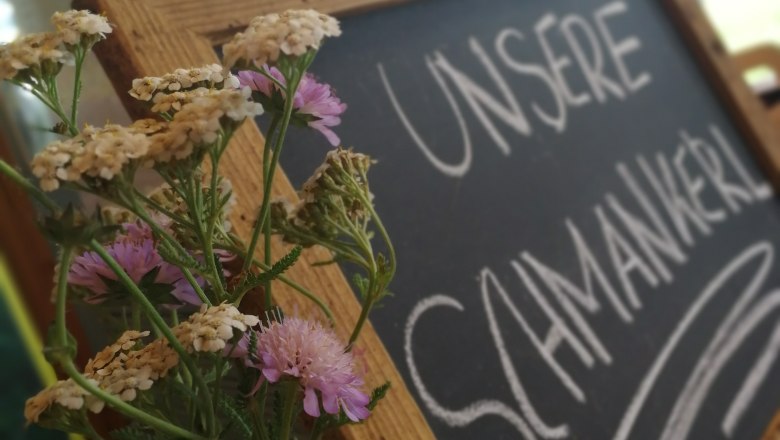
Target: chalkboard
587, 249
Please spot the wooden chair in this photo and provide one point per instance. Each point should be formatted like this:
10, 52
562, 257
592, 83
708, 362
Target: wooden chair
763, 55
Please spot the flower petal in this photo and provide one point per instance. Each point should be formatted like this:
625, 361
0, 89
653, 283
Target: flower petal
310, 403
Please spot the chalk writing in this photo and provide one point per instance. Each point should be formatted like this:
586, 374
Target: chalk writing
642, 248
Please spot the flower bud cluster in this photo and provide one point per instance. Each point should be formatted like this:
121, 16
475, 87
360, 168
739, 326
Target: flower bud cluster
335, 198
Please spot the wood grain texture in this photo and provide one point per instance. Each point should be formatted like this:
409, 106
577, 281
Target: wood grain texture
762, 55
219, 22
745, 109
153, 37
773, 430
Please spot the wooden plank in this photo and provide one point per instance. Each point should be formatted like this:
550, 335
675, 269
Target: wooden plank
219, 23
773, 430
149, 39
767, 55
746, 110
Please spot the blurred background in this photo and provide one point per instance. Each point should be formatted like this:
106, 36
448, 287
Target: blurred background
749, 29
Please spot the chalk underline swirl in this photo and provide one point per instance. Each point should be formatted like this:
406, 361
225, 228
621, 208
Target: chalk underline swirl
761, 249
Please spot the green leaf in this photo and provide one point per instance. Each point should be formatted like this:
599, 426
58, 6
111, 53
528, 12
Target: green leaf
220, 269
361, 284
275, 427
71, 229
157, 293
54, 351
236, 416
137, 431
149, 277
251, 281
378, 394
181, 259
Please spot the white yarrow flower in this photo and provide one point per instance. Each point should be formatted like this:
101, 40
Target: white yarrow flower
74, 25
181, 80
292, 33
95, 153
210, 329
41, 52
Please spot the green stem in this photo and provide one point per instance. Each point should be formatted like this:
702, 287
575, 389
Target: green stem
136, 316
74, 107
385, 236
193, 198
304, 291
257, 408
66, 258
168, 240
265, 207
316, 431
91, 433
267, 229
159, 322
27, 186
371, 295
66, 362
163, 210
290, 402
208, 239
46, 100
368, 303
194, 283
54, 94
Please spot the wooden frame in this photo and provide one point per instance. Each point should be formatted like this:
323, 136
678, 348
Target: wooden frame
745, 109
156, 36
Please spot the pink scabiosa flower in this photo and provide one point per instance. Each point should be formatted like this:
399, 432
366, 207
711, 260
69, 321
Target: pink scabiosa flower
314, 102
304, 350
136, 253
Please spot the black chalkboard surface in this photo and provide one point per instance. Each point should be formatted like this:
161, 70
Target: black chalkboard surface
586, 248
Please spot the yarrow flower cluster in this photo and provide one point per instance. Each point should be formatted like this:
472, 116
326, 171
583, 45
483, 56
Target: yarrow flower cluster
33, 56
76, 26
65, 393
315, 103
211, 329
292, 33
94, 153
41, 55
102, 153
201, 116
305, 351
122, 370
210, 76
118, 369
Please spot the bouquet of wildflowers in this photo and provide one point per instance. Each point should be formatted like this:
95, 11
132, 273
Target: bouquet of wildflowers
201, 350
